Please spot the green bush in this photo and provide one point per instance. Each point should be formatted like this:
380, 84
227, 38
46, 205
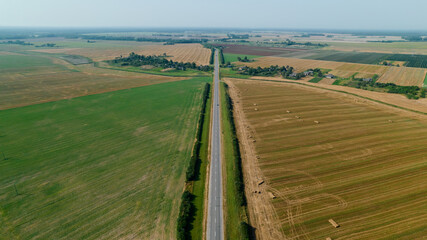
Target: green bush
239, 181
186, 215
192, 169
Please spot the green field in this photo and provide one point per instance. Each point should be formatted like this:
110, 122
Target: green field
234, 214
31, 78
200, 184
230, 73
22, 63
231, 57
316, 79
103, 166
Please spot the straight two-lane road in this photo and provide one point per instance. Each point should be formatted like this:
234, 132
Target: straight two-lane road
215, 228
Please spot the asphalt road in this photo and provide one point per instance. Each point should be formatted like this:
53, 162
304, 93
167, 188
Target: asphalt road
215, 229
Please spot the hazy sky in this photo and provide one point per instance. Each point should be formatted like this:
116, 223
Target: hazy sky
331, 14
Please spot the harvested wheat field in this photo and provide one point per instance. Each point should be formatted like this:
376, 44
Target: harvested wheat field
325, 156
193, 52
404, 76
348, 69
298, 64
327, 81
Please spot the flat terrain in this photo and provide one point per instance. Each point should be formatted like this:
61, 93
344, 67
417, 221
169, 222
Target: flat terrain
258, 51
405, 76
369, 175
104, 166
35, 78
107, 50
232, 57
398, 100
395, 47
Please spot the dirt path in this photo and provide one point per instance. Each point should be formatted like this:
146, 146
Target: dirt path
261, 211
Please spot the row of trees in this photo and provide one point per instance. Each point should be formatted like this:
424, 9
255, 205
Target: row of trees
268, 71
274, 70
17, 42
221, 56
212, 58
239, 183
192, 170
137, 60
168, 41
288, 42
187, 209
240, 196
47, 45
185, 217
245, 59
411, 92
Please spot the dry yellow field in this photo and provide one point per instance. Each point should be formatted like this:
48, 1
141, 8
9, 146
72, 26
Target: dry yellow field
327, 81
363, 167
348, 69
404, 76
179, 52
193, 52
298, 64
394, 47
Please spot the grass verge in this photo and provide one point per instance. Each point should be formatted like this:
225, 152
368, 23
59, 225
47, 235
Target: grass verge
190, 220
236, 215
200, 183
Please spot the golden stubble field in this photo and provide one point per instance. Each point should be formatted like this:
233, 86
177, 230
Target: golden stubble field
360, 165
193, 52
405, 76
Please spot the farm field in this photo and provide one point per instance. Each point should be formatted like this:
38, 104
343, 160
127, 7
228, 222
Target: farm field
397, 100
394, 47
108, 50
404, 76
104, 166
231, 57
298, 64
34, 78
256, 50
407, 76
317, 176
352, 57
408, 60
